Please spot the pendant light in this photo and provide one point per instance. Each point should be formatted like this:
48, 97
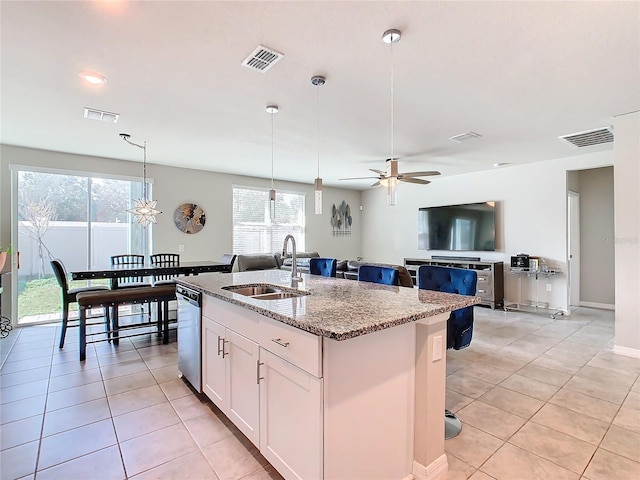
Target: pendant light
390, 37
144, 210
318, 81
272, 110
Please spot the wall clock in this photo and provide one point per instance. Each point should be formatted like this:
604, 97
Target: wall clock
189, 218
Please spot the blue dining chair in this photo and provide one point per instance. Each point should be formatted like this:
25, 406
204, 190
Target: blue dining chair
323, 266
460, 324
378, 274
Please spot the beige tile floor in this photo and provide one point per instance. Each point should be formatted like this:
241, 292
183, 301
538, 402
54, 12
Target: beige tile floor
539, 399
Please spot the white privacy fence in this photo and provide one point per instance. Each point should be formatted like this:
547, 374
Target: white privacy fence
67, 241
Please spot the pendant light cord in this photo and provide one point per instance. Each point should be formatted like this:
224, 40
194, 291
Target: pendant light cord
126, 137
144, 171
272, 151
318, 125
392, 103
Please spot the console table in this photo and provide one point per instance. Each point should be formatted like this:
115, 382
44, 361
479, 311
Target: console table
490, 276
533, 307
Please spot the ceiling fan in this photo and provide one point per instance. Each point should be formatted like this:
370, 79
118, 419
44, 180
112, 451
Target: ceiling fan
392, 172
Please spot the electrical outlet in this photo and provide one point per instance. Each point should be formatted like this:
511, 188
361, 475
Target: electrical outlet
180, 248
437, 349
548, 287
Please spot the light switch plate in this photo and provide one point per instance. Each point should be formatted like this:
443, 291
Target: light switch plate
180, 248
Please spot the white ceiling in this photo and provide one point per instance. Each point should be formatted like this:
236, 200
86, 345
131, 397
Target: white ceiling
518, 73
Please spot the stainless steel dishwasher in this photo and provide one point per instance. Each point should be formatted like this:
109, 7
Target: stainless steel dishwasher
189, 335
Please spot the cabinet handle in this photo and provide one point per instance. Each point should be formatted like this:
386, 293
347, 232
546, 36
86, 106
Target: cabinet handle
258, 377
220, 349
481, 291
224, 354
482, 279
280, 342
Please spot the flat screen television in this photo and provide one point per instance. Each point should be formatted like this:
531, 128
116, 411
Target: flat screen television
468, 227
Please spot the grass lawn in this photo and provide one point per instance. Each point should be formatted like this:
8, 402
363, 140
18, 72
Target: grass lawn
43, 296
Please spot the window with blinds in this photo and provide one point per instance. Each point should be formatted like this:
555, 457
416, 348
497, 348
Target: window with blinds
253, 229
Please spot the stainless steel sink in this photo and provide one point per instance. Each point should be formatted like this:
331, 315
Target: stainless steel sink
251, 290
263, 292
276, 296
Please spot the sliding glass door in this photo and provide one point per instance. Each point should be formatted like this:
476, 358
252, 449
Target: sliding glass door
79, 219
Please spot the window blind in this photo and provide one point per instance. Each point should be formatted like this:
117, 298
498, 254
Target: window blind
253, 229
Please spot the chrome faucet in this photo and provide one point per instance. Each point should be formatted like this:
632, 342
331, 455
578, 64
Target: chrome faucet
294, 257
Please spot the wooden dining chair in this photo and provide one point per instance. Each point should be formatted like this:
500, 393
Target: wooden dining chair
69, 295
129, 259
131, 282
164, 260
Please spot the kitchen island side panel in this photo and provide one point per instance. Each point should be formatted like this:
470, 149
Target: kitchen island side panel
369, 405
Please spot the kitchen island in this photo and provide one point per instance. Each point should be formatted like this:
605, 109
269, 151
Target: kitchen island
341, 380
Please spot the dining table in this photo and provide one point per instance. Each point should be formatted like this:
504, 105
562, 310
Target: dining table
114, 272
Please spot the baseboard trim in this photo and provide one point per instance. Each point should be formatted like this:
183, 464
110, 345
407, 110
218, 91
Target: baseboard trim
435, 470
603, 306
626, 351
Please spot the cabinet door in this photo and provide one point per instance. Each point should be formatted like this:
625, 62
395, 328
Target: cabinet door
243, 390
290, 418
213, 362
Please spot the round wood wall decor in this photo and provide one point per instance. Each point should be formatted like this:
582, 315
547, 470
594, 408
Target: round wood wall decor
189, 218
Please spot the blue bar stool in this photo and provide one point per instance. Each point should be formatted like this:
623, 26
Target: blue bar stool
460, 324
323, 266
377, 274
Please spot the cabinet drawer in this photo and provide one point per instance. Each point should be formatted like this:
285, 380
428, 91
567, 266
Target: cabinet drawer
301, 348
485, 277
484, 291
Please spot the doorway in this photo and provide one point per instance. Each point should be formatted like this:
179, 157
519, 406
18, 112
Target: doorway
77, 218
573, 243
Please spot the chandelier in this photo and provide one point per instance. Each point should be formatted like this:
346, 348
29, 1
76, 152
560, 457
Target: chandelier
144, 210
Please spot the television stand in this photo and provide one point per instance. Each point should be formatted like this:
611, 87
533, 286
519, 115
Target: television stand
490, 287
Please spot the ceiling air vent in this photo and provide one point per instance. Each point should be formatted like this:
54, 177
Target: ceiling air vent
93, 114
590, 137
262, 59
463, 137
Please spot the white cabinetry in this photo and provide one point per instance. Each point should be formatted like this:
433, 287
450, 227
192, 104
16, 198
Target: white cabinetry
230, 376
256, 371
367, 408
213, 362
291, 397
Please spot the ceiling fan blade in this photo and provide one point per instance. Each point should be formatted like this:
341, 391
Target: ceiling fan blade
419, 181
376, 184
357, 178
420, 174
379, 172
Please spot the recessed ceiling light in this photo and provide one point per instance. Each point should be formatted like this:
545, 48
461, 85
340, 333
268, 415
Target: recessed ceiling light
93, 78
500, 164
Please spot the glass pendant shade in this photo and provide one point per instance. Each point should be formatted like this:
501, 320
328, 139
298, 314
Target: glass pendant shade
392, 198
272, 204
317, 198
144, 211
392, 182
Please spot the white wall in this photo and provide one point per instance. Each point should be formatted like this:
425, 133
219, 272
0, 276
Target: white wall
627, 228
532, 217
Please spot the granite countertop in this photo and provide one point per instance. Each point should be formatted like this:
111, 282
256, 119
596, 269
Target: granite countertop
333, 307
